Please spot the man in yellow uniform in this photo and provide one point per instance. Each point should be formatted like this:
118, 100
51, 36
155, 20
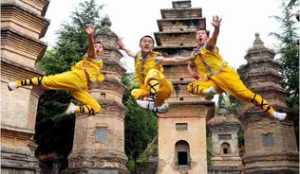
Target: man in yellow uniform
215, 76
154, 88
76, 81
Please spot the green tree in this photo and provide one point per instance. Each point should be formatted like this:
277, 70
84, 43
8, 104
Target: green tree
289, 51
54, 132
72, 41
140, 126
289, 56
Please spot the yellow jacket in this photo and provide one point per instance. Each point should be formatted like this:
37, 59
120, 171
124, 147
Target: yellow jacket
142, 66
92, 67
208, 62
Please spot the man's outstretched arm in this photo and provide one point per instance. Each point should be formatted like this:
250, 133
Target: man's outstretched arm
212, 41
122, 46
91, 49
174, 60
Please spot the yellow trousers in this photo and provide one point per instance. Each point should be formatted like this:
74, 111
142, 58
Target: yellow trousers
229, 81
74, 81
164, 90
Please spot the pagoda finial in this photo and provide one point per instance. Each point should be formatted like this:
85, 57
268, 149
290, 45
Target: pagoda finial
105, 30
106, 22
258, 42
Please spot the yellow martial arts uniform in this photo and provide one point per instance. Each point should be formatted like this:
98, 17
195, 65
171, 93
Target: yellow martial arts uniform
223, 78
76, 81
150, 78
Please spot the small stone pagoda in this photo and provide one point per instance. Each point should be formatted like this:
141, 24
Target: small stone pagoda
98, 145
224, 129
270, 145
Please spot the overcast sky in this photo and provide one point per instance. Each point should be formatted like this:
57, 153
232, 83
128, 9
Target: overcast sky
132, 19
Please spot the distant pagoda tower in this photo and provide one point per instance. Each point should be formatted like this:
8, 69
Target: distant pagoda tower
22, 25
224, 129
270, 145
182, 130
99, 143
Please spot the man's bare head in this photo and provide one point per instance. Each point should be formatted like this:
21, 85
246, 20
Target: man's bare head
146, 43
202, 36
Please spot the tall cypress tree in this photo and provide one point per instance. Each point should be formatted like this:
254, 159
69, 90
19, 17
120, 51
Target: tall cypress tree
289, 56
289, 51
140, 127
72, 41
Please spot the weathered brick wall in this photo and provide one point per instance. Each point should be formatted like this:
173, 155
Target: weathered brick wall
33, 6
17, 18
254, 135
20, 48
181, 25
181, 13
184, 39
18, 111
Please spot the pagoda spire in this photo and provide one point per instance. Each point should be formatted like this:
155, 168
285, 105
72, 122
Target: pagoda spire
258, 43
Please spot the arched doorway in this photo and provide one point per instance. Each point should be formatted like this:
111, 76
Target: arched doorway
225, 148
182, 150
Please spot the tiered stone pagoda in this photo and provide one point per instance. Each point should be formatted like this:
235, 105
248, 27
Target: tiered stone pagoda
23, 23
98, 145
182, 130
225, 157
270, 145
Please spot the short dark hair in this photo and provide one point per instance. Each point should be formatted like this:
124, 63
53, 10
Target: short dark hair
148, 37
97, 39
206, 31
